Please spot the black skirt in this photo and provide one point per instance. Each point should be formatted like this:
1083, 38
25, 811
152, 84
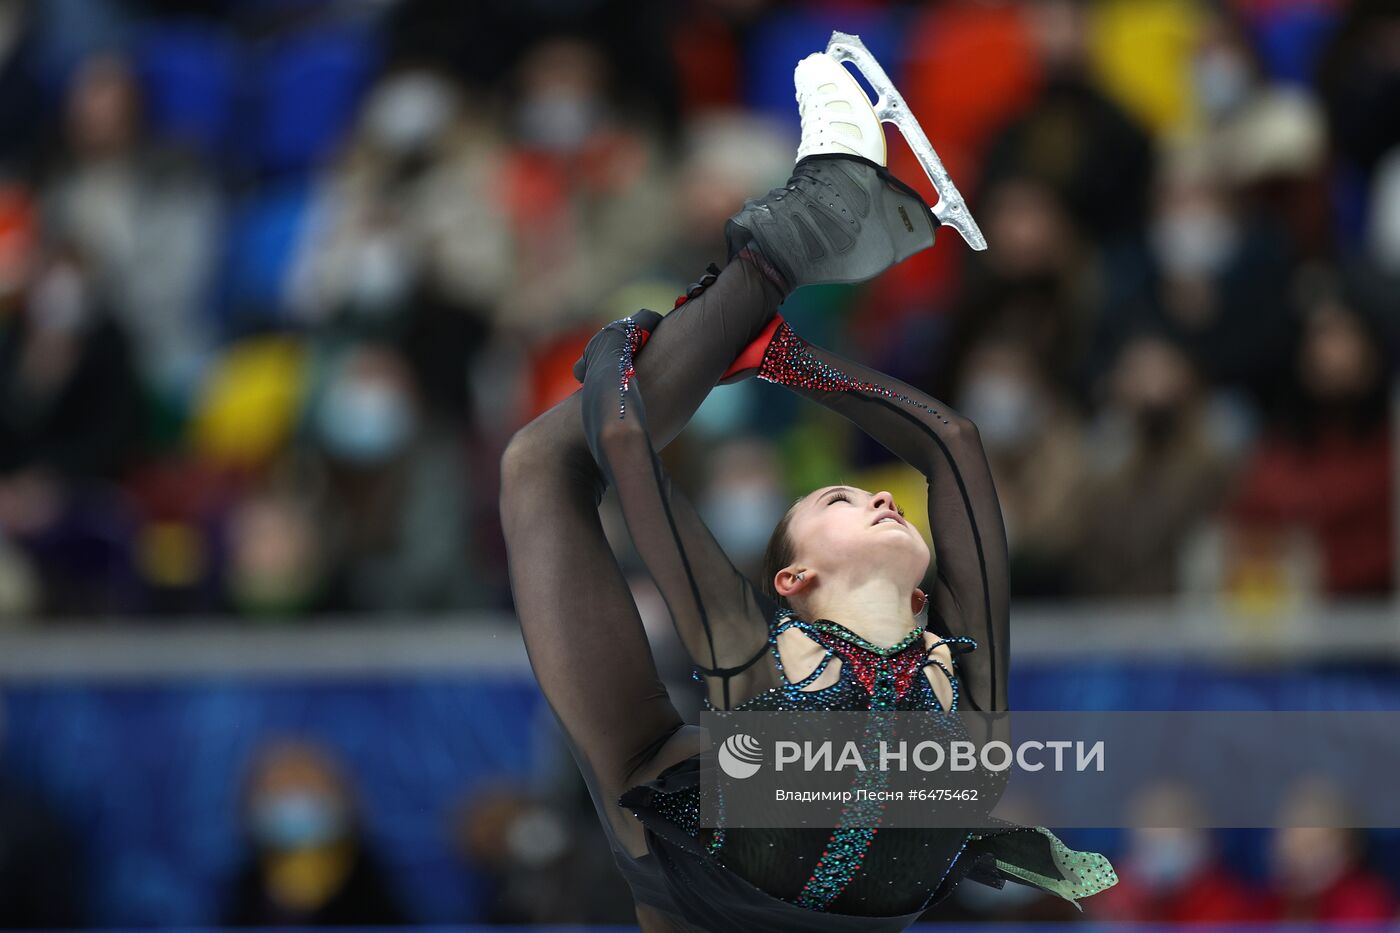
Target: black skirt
680, 877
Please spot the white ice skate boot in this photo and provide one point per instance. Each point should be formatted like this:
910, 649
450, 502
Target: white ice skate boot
836, 114
890, 107
842, 217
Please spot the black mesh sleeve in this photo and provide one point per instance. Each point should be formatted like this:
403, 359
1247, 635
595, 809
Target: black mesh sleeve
635, 402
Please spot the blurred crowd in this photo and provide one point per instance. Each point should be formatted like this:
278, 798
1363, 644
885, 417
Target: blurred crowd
277, 280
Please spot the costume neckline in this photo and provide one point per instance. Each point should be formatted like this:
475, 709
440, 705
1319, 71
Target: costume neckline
856, 640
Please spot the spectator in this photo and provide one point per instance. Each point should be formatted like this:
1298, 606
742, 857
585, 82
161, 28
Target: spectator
1159, 470
727, 156
1318, 868
1072, 136
1035, 443
70, 423
1325, 464
1173, 873
1213, 278
1274, 154
147, 216
1039, 278
392, 503
1225, 69
546, 864
743, 499
275, 565
69, 401
406, 241
589, 201
308, 862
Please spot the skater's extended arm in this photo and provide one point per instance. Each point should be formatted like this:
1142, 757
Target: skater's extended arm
722, 619
970, 595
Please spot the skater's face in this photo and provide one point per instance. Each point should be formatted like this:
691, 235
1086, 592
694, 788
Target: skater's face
846, 536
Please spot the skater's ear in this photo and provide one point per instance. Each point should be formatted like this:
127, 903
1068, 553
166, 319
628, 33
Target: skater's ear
780, 554
791, 580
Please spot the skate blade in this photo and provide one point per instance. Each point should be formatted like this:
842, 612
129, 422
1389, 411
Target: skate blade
951, 210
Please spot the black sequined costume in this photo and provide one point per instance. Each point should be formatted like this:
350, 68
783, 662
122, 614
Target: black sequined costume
582, 629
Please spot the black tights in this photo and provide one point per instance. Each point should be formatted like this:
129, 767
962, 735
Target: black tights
581, 627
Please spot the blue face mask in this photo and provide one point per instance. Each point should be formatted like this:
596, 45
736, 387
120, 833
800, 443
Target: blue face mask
297, 820
1168, 861
365, 423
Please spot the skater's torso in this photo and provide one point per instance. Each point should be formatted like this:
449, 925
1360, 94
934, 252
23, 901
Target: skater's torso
862, 870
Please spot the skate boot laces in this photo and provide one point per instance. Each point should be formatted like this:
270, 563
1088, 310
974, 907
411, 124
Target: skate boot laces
804, 178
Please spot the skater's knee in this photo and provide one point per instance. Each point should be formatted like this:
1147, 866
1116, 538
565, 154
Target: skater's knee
526, 462
538, 468
522, 455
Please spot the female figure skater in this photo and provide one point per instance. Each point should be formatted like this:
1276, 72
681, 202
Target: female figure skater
834, 625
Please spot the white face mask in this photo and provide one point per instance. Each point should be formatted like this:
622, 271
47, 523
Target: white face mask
1007, 413
382, 276
558, 121
59, 304
1222, 81
1193, 241
409, 112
